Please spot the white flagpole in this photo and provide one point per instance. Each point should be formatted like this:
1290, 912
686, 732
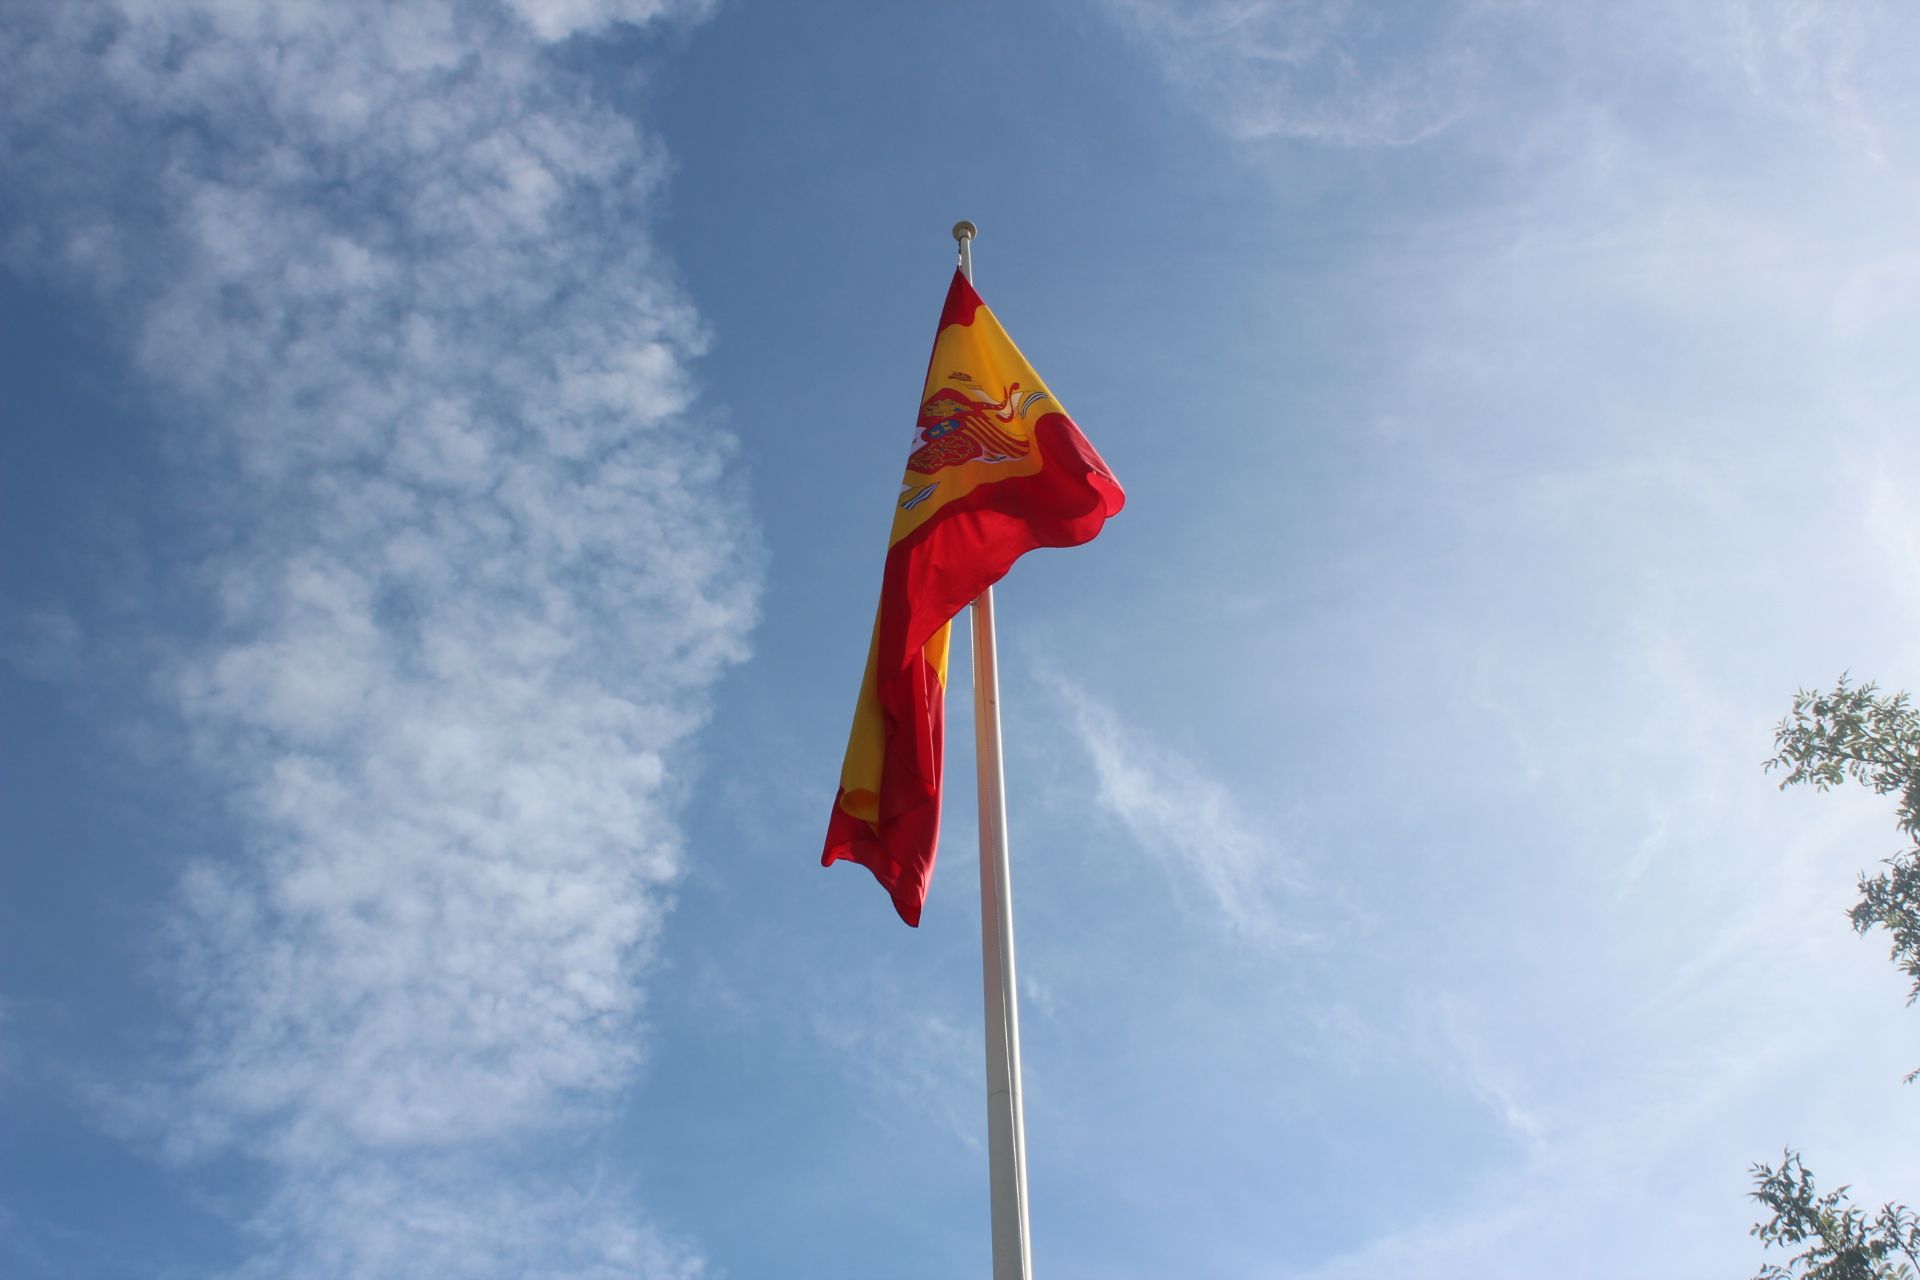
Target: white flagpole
1006, 1122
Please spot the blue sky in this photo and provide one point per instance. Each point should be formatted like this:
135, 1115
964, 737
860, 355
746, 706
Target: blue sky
447, 467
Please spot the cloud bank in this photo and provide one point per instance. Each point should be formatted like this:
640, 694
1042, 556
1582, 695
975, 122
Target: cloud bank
475, 566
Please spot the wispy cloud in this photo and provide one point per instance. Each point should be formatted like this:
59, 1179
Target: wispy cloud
1358, 75
443, 1217
924, 1061
1338, 73
1493, 1081
1827, 62
387, 269
1191, 823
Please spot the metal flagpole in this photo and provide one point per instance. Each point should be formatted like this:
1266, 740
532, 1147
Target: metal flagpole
1006, 1122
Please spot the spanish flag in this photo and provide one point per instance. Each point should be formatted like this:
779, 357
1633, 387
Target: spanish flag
996, 469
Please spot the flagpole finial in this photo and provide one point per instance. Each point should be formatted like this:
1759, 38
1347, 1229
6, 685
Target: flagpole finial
963, 234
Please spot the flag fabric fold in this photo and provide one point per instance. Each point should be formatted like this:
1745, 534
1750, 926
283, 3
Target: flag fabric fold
996, 469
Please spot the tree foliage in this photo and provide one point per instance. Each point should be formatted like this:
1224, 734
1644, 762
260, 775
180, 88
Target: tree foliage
1842, 1243
1856, 733
1851, 733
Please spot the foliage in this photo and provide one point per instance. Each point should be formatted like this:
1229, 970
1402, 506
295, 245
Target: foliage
1851, 733
1855, 732
1842, 1243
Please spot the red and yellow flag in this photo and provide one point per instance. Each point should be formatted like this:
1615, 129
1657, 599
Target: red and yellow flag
997, 469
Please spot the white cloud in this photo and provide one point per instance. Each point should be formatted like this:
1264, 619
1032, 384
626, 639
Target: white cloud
388, 272
1192, 824
559, 19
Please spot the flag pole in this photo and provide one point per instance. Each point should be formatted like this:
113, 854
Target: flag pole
1006, 1121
